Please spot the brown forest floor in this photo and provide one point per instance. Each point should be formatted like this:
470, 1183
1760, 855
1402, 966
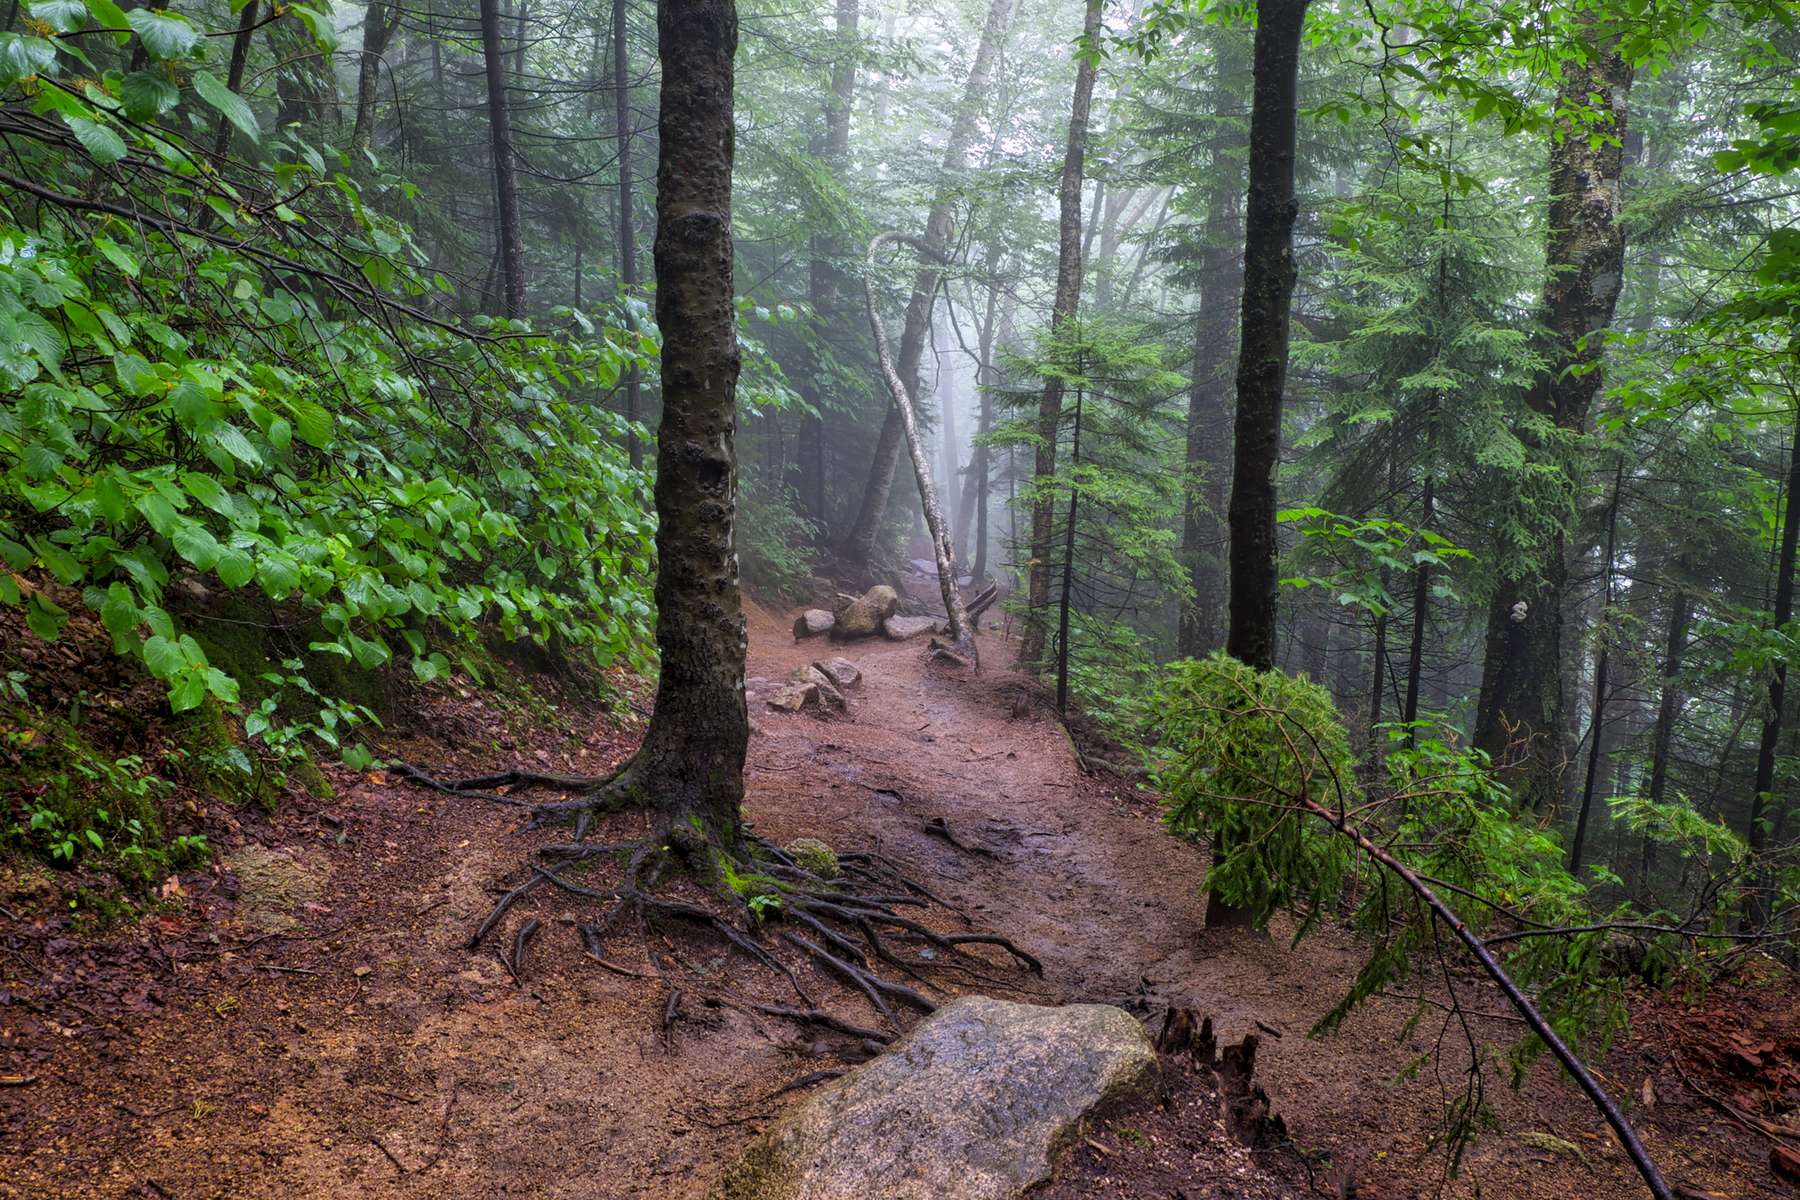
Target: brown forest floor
369, 1054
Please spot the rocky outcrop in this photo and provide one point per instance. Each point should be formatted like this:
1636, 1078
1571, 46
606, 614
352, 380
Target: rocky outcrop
970, 1105
863, 616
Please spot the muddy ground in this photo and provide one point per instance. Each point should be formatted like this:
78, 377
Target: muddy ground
350, 1044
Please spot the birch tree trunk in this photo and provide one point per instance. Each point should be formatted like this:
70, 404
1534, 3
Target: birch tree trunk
859, 545
961, 632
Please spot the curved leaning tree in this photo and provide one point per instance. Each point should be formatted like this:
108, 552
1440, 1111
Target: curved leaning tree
689, 772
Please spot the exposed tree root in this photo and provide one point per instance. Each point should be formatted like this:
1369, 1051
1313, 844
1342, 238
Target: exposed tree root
852, 926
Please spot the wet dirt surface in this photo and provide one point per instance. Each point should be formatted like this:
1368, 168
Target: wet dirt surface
370, 1053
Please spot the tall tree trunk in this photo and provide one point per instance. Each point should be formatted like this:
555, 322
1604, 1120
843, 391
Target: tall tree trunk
1668, 708
628, 276
1063, 310
1521, 703
1203, 530
859, 544
1597, 721
234, 73
1756, 909
500, 144
952, 468
376, 31
961, 631
1068, 568
1421, 608
1262, 353
691, 765
983, 458
824, 280
1263, 347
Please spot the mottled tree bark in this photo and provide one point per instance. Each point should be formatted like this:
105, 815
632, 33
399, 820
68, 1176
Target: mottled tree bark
691, 766
500, 144
1063, 309
1519, 720
628, 276
376, 32
1263, 345
859, 544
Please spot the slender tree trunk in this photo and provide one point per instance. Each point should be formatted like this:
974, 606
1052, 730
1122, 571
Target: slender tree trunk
1597, 722
234, 74
1421, 608
824, 280
1756, 910
983, 455
628, 274
952, 468
376, 31
1203, 531
1519, 720
1263, 348
961, 632
1668, 708
1262, 354
691, 765
500, 143
1068, 567
859, 545
1063, 310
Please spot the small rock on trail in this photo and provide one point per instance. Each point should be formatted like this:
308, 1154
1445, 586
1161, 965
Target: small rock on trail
904, 629
840, 671
810, 687
969, 1105
812, 623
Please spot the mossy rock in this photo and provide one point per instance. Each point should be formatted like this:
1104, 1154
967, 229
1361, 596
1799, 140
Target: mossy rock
216, 761
815, 856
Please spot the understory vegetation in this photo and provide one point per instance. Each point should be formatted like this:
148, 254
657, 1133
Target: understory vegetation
1381, 420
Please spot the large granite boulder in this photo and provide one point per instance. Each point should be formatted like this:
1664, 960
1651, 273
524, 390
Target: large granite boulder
863, 616
970, 1105
812, 623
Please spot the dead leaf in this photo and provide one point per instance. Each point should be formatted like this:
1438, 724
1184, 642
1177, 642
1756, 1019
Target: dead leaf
1649, 1093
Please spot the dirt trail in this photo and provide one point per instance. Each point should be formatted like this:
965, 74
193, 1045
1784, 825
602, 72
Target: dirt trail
373, 1055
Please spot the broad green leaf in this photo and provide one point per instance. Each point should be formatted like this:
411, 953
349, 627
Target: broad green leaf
164, 34
147, 95
117, 255
64, 16
22, 57
111, 16
196, 543
101, 143
233, 106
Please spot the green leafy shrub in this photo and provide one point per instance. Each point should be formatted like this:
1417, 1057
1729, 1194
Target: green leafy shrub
1237, 753
777, 546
